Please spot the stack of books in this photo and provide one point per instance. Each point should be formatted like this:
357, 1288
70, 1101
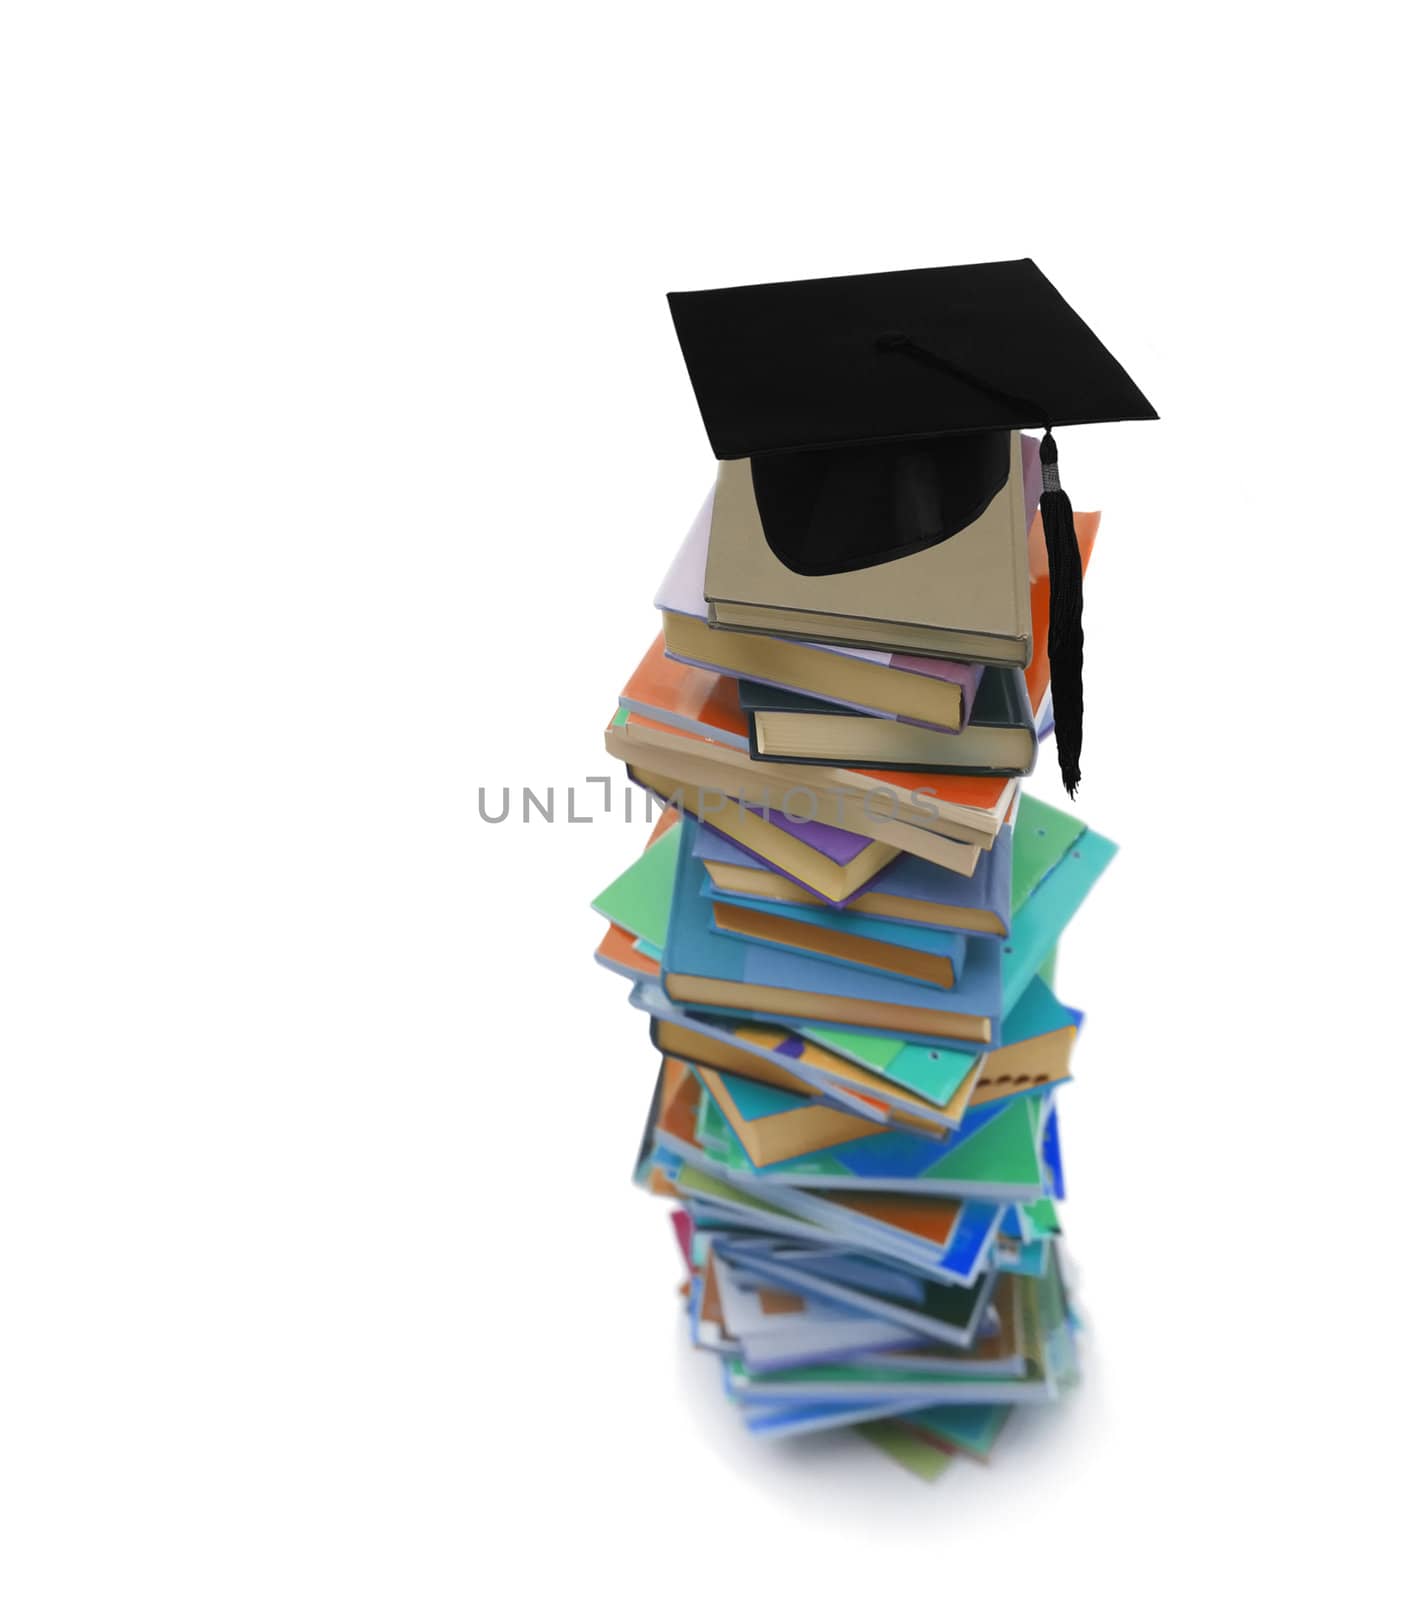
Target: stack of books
842, 935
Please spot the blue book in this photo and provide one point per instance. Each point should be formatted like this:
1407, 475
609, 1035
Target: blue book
1036, 927
902, 950
709, 971
909, 890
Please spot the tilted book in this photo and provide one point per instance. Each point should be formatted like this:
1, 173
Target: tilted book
1000, 739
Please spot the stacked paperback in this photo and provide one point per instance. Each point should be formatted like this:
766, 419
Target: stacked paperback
842, 932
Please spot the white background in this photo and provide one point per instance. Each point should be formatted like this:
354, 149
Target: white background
343, 441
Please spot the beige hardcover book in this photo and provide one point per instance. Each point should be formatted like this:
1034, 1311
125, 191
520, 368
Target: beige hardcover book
767, 782
704, 797
852, 680
965, 598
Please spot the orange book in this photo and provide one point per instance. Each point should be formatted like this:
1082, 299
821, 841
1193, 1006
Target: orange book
680, 1101
686, 699
664, 823
619, 953
926, 1216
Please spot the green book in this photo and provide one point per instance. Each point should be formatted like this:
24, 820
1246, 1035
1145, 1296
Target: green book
639, 900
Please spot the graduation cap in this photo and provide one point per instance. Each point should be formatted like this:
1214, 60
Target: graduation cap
875, 411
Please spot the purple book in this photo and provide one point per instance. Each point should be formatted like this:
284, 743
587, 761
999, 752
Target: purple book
683, 591
835, 843
907, 878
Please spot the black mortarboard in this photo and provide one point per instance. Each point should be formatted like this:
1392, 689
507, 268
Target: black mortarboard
875, 412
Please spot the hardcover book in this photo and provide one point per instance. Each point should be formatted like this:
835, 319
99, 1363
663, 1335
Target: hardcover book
904, 950
908, 890
923, 689
961, 806
831, 863
965, 597
1000, 739
700, 791
686, 698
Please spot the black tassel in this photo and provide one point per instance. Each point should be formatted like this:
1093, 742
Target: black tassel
1065, 616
